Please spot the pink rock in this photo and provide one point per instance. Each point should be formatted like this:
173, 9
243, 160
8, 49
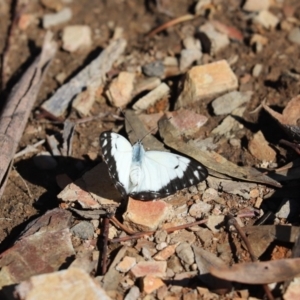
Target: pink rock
43, 248
25, 20
186, 120
153, 268
146, 215
167, 252
151, 121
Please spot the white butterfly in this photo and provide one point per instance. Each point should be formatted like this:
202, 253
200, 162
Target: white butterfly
147, 175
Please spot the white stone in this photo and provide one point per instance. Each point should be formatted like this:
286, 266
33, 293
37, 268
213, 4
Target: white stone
188, 57
58, 18
219, 40
257, 70
76, 37
191, 43
266, 19
225, 104
152, 97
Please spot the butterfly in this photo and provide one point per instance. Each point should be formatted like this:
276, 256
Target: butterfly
147, 175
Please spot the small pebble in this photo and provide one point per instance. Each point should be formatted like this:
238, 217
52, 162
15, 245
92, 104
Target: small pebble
155, 69
257, 70
161, 246
218, 40
235, 143
225, 104
210, 194
199, 208
266, 19
188, 57
191, 43
289, 209
160, 236
76, 37
146, 253
294, 35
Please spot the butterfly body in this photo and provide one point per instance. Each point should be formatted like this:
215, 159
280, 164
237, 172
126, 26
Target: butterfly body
147, 175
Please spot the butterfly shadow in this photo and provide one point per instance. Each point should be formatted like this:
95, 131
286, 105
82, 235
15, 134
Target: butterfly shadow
50, 179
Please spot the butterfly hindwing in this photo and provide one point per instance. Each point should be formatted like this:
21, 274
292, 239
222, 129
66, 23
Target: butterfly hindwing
117, 154
165, 173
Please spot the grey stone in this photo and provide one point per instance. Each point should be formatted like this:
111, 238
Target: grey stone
174, 264
155, 69
133, 294
188, 57
289, 208
294, 35
227, 103
185, 253
83, 230
58, 18
205, 236
197, 209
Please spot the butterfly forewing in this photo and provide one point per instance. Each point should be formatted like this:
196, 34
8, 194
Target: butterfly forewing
117, 154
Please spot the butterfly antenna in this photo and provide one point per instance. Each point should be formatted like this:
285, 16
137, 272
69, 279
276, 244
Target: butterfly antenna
123, 113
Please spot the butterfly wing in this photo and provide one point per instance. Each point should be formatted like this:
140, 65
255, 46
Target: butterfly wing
164, 173
117, 154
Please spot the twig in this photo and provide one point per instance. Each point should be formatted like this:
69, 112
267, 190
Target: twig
232, 221
116, 222
29, 148
105, 242
168, 24
89, 119
17, 10
18, 106
27, 187
294, 146
145, 233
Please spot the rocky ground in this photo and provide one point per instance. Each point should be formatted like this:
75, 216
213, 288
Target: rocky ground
214, 80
